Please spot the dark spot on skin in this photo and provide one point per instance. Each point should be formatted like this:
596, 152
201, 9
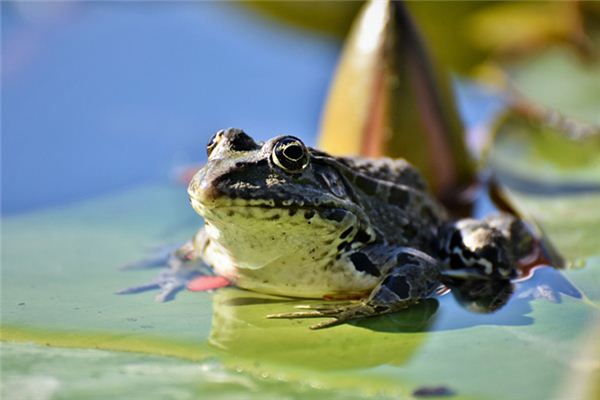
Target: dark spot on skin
292, 211
346, 233
381, 309
365, 184
274, 217
229, 213
456, 241
342, 245
362, 263
398, 196
455, 262
309, 214
334, 214
491, 254
362, 236
409, 231
398, 285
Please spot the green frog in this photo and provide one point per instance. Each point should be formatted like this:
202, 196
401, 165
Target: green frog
286, 219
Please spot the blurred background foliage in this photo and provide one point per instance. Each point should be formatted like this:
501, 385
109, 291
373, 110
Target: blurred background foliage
463, 34
511, 47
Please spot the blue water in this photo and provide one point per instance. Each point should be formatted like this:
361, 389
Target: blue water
100, 96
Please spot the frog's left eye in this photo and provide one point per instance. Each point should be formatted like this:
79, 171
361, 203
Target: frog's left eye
290, 154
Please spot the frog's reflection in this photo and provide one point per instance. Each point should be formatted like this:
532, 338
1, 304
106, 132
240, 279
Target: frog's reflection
502, 302
239, 325
481, 296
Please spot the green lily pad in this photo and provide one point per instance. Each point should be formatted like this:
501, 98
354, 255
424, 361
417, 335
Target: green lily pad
100, 374
60, 272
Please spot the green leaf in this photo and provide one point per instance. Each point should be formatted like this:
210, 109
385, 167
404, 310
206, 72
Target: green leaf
60, 272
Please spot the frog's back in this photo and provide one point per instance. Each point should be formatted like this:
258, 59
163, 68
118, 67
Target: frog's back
395, 171
395, 197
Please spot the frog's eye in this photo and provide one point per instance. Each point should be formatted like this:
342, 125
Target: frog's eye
290, 154
212, 143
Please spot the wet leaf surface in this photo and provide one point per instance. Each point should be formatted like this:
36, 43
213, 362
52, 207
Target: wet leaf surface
70, 303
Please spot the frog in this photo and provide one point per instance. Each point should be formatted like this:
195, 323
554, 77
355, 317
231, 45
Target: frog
286, 219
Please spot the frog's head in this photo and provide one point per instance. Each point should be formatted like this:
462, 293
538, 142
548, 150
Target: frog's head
264, 201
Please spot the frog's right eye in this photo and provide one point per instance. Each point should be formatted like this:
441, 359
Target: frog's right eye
212, 143
290, 154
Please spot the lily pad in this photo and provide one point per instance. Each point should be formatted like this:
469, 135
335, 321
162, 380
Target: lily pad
60, 272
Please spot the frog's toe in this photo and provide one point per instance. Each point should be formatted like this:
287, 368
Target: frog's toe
169, 290
327, 324
299, 314
321, 307
168, 282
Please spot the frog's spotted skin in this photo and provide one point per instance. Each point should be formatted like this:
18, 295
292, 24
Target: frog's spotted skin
285, 219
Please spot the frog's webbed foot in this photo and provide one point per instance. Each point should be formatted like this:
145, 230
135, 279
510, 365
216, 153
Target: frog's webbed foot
168, 282
179, 267
415, 276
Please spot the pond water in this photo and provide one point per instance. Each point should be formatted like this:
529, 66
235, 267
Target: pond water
102, 102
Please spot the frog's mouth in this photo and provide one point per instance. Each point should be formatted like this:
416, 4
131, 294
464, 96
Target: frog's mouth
207, 195
269, 210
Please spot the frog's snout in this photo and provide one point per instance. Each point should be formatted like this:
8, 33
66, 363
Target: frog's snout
202, 190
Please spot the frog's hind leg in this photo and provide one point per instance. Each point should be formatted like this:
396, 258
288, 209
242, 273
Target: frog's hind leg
413, 276
482, 257
484, 249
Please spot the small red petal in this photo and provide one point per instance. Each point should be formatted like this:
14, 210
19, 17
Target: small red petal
204, 283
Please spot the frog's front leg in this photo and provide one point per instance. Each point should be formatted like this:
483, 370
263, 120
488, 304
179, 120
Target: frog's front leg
411, 277
180, 267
